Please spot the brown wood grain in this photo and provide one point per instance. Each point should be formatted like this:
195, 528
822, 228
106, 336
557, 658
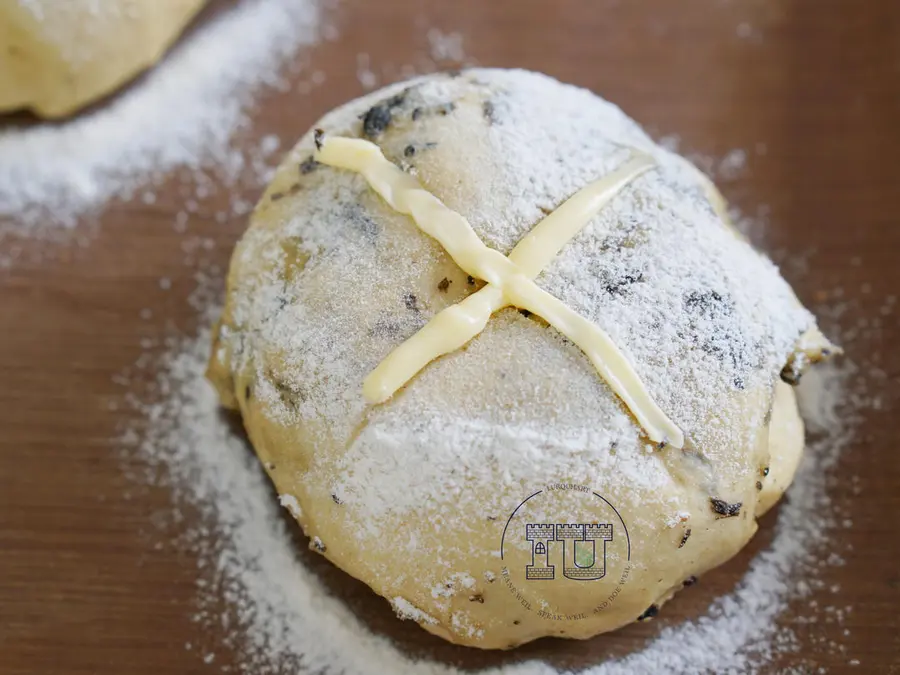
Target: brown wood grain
813, 94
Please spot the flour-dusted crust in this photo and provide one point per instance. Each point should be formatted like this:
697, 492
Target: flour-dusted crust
60, 55
412, 496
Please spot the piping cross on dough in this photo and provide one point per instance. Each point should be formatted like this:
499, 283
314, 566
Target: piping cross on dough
510, 280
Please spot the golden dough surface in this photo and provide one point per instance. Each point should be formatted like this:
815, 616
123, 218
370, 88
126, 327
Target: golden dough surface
786, 437
60, 56
428, 498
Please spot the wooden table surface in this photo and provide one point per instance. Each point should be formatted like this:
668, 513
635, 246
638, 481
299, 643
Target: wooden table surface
810, 88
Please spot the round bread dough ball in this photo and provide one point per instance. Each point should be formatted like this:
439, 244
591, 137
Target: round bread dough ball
60, 55
506, 493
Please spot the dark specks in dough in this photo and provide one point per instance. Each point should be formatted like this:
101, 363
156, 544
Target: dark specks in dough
620, 286
369, 228
444, 285
470, 280
489, 112
318, 137
289, 395
711, 326
706, 303
442, 110
649, 613
308, 165
357, 218
723, 508
685, 537
478, 597
791, 375
379, 117
411, 149
386, 327
292, 190
337, 500
376, 121
690, 581
411, 302
317, 545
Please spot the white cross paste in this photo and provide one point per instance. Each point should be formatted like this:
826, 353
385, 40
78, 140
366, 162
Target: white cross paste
509, 279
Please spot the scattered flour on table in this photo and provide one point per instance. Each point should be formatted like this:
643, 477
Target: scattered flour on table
442, 50
282, 619
368, 79
183, 115
283, 613
446, 46
285, 621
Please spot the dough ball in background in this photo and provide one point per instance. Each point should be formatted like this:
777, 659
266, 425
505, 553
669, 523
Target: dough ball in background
58, 56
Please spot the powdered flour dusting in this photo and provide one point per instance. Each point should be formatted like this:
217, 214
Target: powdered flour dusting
284, 612
184, 115
287, 621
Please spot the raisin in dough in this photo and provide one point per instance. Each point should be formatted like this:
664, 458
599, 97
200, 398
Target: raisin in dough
411, 496
60, 55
